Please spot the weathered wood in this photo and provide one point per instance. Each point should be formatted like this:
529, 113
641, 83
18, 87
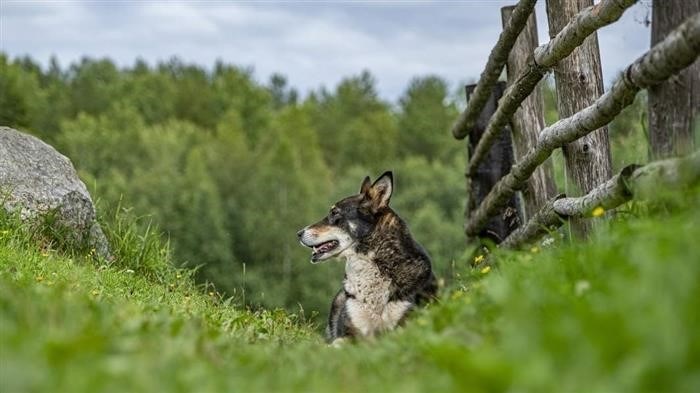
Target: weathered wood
674, 103
498, 163
668, 174
677, 51
494, 65
579, 82
541, 223
545, 57
607, 195
632, 182
528, 120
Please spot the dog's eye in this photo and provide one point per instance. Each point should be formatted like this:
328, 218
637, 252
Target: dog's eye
334, 216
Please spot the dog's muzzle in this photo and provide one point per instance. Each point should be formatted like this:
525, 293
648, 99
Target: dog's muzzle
320, 248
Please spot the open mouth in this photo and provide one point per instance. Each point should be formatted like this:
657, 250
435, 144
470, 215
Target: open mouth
320, 249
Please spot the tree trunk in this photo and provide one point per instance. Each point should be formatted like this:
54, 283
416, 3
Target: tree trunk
579, 83
673, 104
528, 120
497, 163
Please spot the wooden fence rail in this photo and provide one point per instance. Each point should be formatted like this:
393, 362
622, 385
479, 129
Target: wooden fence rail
678, 50
494, 65
544, 57
632, 182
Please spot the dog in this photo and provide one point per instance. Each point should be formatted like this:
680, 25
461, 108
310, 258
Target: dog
387, 273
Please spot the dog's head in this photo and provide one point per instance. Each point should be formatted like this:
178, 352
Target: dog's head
348, 220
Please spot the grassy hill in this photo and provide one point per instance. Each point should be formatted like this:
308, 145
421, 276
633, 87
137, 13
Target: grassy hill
618, 313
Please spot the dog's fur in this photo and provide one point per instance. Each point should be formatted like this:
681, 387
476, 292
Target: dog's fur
387, 273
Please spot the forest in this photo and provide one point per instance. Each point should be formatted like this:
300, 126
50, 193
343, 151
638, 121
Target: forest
228, 168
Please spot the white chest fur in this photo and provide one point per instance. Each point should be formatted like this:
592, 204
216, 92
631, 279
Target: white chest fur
370, 310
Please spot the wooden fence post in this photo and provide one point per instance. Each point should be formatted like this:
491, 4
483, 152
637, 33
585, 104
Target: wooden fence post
495, 165
528, 119
579, 83
674, 103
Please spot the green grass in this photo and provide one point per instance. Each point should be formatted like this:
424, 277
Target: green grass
616, 314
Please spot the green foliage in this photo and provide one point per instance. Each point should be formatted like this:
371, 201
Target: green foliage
426, 115
20, 95
135, 245
236, 91
354, 126
119, 149
281, 94
93, 86
549, 96
281, 197
629, 139
74, 325
167, 176
617, 313
152, 94
229, 169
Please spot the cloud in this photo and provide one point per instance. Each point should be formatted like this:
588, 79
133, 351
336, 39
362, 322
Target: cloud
313, 44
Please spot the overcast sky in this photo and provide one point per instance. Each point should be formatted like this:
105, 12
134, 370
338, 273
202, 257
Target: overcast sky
313, 43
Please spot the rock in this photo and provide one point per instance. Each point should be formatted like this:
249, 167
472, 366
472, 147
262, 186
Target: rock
36, 181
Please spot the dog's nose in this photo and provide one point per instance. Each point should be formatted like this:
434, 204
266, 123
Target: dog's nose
300, 233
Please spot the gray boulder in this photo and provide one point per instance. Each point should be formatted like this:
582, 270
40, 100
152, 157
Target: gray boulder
36, 182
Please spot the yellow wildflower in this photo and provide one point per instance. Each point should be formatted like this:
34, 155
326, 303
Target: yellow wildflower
486, 270
478, 259
535, 250
598, 211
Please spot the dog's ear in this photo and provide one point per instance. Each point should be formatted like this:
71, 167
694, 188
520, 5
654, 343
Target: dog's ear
366, 184
380, 192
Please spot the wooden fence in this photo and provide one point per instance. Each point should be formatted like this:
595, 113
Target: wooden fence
678, 50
